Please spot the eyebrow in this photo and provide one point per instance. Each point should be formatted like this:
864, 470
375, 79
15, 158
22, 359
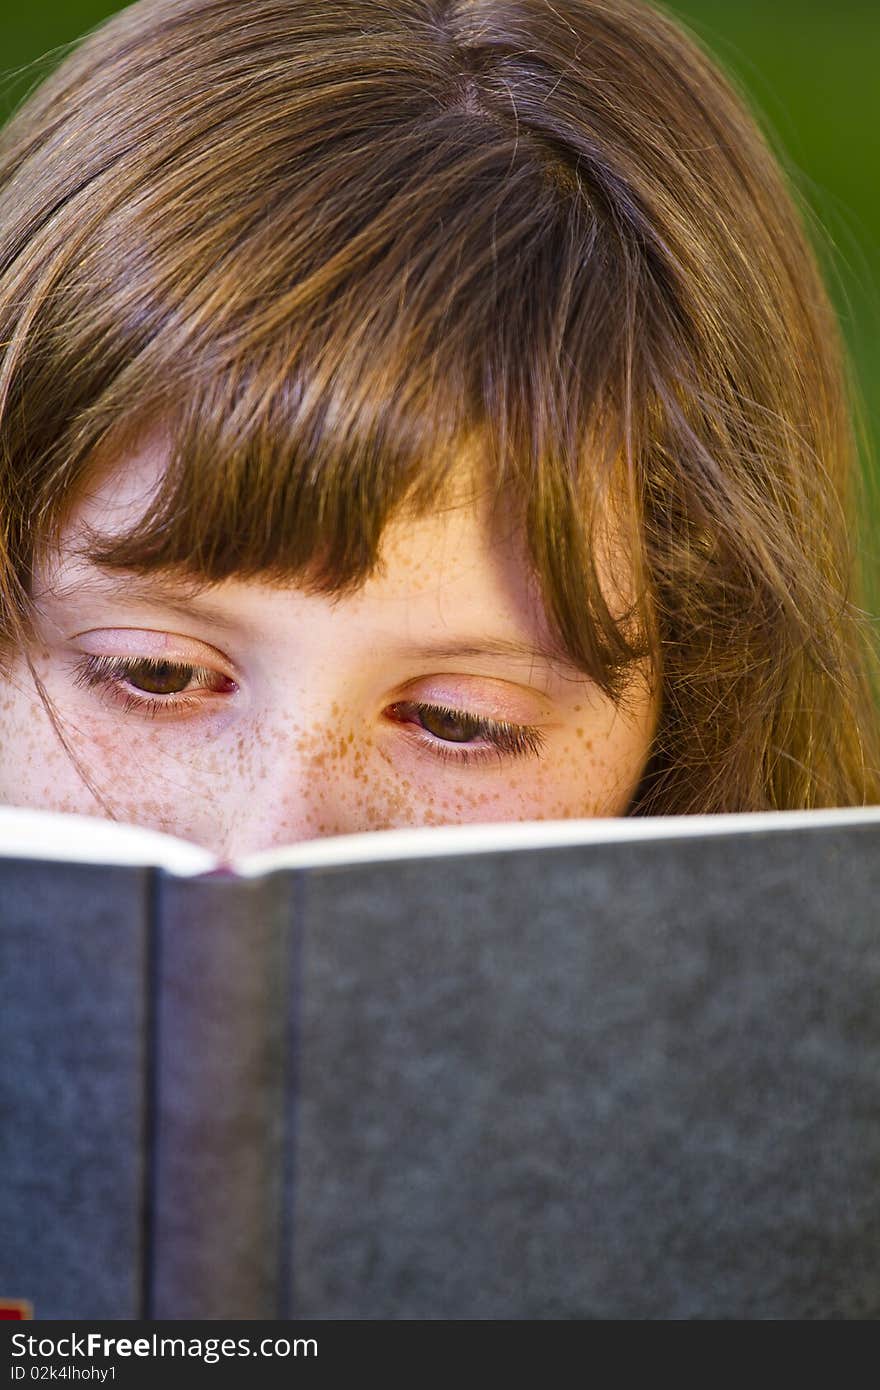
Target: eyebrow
186, 601
491, 646
182, 599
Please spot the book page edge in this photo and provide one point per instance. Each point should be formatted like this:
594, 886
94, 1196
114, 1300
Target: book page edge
436, 841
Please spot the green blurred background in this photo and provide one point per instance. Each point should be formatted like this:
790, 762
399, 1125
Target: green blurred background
810, 70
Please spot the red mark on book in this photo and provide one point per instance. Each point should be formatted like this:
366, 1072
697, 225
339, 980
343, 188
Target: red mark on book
15, 1308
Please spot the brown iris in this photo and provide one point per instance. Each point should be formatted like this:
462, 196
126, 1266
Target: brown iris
159, 677
444, 724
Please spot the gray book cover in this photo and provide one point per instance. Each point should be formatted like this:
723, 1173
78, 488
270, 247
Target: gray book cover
628, 1077
75, 1110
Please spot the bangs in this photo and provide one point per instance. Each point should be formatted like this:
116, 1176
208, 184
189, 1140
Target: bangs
328, 337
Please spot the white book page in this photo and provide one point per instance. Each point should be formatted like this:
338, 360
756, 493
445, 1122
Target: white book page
70, 839
429, 841
49, 835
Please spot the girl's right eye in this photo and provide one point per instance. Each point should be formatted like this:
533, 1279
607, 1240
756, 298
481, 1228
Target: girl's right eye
150, 685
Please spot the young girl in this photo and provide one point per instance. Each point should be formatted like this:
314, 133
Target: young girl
417, 411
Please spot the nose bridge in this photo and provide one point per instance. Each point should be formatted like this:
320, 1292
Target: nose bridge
298, 785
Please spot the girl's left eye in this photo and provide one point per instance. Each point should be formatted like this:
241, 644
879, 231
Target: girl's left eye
452, 731
149, 685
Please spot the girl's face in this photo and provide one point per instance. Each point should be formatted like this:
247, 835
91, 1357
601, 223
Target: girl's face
251, 715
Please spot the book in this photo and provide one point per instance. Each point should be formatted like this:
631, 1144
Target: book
582, 1069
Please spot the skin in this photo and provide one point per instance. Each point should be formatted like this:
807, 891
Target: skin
306, 726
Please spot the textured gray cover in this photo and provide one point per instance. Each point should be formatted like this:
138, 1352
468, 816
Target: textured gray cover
625, 1080
74, 1141
224, 1099
628, 1080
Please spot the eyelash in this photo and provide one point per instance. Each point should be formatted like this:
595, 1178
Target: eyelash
110, 672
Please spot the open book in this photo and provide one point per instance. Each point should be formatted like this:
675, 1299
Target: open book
575, 1069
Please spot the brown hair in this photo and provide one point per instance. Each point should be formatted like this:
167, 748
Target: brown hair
337, 241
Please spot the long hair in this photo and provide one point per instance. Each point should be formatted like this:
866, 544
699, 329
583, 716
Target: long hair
334, 243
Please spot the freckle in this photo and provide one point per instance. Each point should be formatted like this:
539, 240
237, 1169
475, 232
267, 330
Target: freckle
579, 732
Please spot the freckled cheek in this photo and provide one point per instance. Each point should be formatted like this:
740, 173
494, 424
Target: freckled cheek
35, 771
362, 783
180, 780
387, 791
139, 773
591, 771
